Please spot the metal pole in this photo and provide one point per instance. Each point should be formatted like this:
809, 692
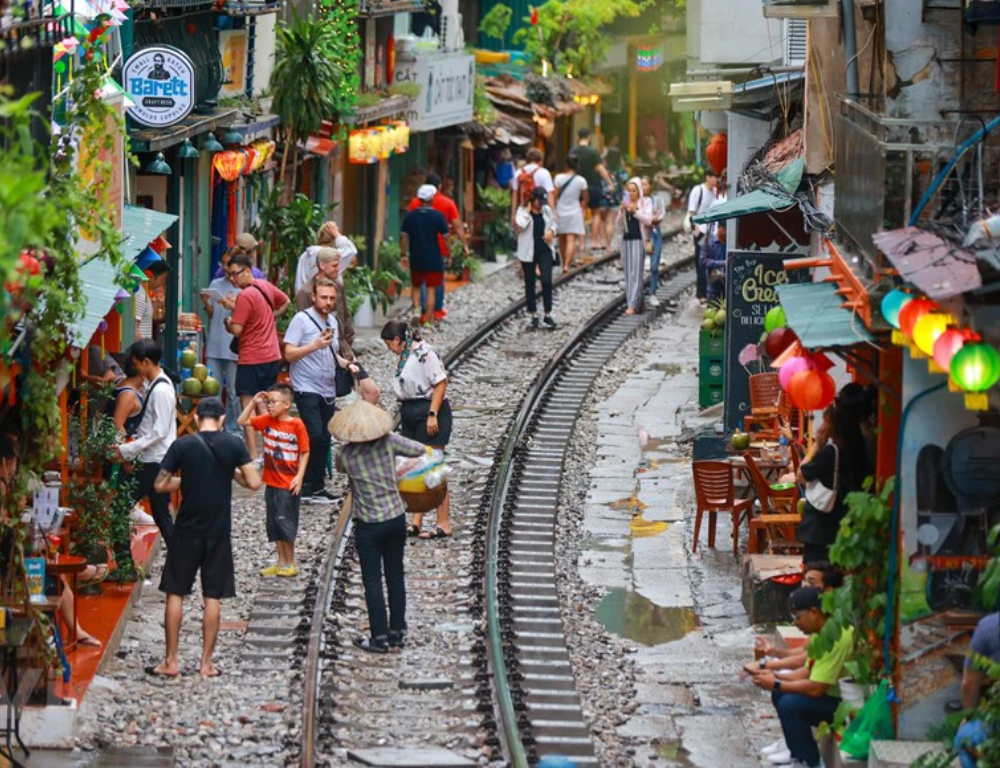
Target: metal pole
850, 48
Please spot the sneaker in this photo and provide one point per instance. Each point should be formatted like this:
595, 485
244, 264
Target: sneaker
653, 301
319, 497
287, 571
783, 757
271, 570
372, 644
140, 517
778, 746
534, 321
550, 323
440, 314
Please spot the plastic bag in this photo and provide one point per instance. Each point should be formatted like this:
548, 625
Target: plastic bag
873, 723
418, 474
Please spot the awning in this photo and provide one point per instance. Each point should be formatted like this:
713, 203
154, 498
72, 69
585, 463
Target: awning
771, 81
98, 288
938, 267
760, 200
141, 226
318, 145
815, 312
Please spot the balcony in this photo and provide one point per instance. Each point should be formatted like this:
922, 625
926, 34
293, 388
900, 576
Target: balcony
26, 25
373, 8
884, 165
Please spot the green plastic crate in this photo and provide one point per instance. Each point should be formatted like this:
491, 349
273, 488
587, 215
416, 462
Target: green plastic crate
709, 394
711, 343
710, 369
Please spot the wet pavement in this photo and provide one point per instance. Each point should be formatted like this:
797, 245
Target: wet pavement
679, 613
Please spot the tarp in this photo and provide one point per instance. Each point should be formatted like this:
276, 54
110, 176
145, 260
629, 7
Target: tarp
815, 312
938, 267
760, 200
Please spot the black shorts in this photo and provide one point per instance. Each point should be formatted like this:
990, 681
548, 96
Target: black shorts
251, 379
213, 556
595, 197
413, 422
282, 514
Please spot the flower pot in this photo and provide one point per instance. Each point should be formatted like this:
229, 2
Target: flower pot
500, 258
854, 693
365, 316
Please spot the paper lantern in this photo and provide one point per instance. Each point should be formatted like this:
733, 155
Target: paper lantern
146, 257
892, 303
229, 164
913, 311
809, 392
975, 368
717, 152
948, 343
792, 367
928, 328
775, 318
251, 154
160, 244
778, 341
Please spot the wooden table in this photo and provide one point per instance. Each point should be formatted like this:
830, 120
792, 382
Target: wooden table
72, 566
771, 469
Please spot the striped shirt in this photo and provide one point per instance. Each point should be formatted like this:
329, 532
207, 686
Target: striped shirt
371, 472
285, 442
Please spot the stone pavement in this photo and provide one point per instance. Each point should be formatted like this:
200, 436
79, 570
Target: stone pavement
681, 612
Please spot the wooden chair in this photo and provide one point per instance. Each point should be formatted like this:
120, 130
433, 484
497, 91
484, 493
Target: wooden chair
715, 492
778, 519
765, 400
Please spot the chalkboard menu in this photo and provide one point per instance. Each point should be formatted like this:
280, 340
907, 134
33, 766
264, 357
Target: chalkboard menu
752, 279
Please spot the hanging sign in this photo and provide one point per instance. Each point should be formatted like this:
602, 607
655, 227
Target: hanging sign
752, 280
446, 85
160, 80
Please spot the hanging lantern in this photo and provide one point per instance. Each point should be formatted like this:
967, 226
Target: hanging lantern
229, 164
146, 257
928, 328
778, 341
160, 244
975, 368
775, 318
251, 154
948, 343
717, 153
807, 390
792, 367
892, 303
913, 311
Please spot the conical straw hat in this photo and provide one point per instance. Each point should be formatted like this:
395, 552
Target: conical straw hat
360, 422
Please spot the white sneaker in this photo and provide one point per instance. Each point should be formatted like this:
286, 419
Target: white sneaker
139, 517
778, 746
653, 301
784, 757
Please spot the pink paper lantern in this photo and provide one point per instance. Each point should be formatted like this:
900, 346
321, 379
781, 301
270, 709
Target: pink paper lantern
791, 367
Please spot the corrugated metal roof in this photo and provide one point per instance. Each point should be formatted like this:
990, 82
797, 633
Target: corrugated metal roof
99, 289
938, 267
814, 312
140, 226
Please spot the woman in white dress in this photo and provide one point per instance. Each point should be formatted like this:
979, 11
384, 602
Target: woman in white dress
571, 202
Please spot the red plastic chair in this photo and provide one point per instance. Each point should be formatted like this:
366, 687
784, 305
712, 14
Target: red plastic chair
778, 520
765, 401
715, 492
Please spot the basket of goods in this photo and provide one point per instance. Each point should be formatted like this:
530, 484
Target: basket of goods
422, 481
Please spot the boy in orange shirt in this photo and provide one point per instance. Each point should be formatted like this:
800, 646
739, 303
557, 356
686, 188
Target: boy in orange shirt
286, 454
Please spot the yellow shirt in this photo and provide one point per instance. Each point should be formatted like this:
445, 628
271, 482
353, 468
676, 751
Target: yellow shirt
828, 668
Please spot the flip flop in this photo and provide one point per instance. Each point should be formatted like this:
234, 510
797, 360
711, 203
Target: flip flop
92, 642
151, 670
412, 531
439, 533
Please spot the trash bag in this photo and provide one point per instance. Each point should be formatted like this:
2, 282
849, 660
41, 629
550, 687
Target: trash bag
873, 723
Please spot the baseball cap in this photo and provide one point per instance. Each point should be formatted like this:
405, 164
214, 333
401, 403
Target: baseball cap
426, 192
804, 598
246, 241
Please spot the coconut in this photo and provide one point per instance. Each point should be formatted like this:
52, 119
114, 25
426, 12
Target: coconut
191, 387
200, 372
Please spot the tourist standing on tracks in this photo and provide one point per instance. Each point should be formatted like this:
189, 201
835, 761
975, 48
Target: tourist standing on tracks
328, 236
311, 345
368, 460
654, 233
700, 199
420, 231
635, 215
208, 461
571, 201
252, 322
536, 228
590, 165
420, 383
218, 350
286, 456
529, 178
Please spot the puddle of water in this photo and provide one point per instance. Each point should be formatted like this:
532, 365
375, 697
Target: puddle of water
629, 614
656, 444
649, 462
644, 529
672, 368
592, 543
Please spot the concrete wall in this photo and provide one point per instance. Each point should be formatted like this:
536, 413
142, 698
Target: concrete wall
264, 52
734, 33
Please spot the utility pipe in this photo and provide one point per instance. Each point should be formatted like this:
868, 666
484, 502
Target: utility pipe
850, 48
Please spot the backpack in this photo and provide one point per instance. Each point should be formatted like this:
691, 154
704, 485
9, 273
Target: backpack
525, 185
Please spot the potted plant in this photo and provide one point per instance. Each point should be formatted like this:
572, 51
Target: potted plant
390, 261
497, 232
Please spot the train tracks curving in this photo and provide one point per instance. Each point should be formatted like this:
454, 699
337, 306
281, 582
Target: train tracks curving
486, 676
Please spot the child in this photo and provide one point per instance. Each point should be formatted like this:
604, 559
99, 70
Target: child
286, 453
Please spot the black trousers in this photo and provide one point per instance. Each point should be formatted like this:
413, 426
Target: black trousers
701, 285
159, 503
813, 553
315, 412
380, 550
543, 260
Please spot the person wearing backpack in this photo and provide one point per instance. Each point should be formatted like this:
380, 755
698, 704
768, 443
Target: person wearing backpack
532, 176
571, 200
536, 228
208, 461
700, 200
253, 323
155, 433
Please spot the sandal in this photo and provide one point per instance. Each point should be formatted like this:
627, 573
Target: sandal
151, 670
397, 639
440, 533
99, 574
412, 530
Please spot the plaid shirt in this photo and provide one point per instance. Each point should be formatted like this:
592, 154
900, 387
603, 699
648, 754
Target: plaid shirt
371, 471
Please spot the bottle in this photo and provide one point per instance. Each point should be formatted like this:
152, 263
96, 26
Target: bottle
783, 449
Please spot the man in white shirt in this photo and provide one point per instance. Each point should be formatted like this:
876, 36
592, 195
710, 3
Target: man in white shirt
328, 236
539, 175
218, 355
157, 432
700, 200
157, 273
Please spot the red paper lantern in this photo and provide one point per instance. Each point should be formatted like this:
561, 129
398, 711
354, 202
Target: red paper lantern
913, 311
160, 244
811, 390
778, 341
229, 164
717, 153
949, 342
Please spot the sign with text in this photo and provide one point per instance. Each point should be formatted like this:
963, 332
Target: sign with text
160, 80
752, 279
446, 83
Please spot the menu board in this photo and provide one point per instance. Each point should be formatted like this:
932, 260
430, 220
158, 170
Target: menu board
752, 279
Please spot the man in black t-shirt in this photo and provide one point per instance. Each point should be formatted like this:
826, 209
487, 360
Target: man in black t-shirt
208, 461
591, 167
419, 231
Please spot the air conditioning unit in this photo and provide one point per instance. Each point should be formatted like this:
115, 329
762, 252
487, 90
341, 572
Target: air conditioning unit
699, 96
796, 34
801, 9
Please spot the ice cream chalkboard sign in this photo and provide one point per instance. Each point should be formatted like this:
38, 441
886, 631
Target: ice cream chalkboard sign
752, 280
160, 80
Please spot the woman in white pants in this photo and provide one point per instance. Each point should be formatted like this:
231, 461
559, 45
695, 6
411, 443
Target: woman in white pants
635, 216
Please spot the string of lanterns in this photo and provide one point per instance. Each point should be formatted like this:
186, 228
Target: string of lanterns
366, 146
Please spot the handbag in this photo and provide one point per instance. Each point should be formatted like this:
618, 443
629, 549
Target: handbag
818, 495
234, 344
343, 381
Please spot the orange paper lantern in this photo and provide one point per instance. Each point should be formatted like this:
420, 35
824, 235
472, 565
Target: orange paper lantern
229, 164
811, 390
912, 311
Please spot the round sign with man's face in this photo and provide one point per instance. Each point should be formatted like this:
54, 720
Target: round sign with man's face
160, 80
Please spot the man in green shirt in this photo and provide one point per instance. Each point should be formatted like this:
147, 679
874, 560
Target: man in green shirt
808, 696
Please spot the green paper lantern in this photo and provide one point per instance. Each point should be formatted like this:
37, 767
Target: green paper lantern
775, 318
975, 368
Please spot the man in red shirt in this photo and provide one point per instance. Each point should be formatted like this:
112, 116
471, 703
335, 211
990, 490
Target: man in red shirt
446, 206
252, 322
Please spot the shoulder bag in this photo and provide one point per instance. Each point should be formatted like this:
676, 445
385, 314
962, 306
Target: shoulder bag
234, 345
818, 495
342, 378
565, 184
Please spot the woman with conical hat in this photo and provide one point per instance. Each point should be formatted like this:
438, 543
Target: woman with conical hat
368, 460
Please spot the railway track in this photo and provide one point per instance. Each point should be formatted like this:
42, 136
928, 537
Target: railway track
486, 677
